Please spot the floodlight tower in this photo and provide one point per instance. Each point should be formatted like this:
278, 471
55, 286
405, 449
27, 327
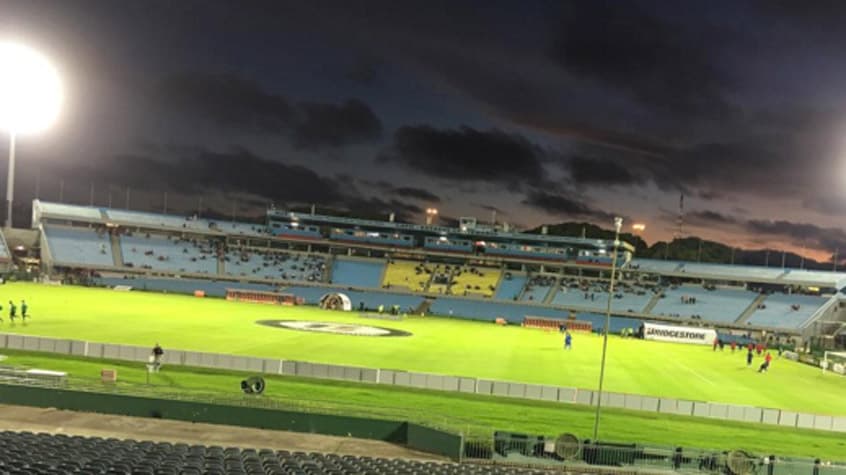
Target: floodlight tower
30, 99
618, 225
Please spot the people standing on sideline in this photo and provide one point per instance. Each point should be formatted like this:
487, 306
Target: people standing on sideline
716, 342
733, 346
568, 341
749, 357
766, 364
158, 352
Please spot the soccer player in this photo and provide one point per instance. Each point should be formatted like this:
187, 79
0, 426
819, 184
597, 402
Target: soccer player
749, 357
12, 310
568, 341
23, 309
766, 364
733, 346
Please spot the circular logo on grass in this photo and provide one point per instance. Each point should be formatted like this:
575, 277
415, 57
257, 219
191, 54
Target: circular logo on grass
335, 328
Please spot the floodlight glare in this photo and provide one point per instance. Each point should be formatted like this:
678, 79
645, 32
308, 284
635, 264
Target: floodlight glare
30, 90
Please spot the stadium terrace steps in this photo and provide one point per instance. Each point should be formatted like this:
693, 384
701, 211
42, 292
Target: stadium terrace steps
405, 274
79, 246
779, 310
159, 252
539, 289
42, 453
510, 286
551, 294
623, 301
117, 254
423, 308
656, 297
750, 309
470, 280
722, 305
289, 266
4, 248
357, 272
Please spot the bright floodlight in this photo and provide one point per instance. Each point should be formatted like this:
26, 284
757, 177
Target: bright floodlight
30, 90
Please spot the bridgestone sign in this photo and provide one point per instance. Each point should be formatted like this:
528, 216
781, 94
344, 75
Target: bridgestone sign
697, 336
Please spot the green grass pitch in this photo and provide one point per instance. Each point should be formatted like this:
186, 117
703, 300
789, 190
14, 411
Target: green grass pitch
437, 345
441, 346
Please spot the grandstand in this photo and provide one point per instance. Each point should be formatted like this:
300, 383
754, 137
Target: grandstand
788, 311
83, 246
131, 242
171, 253
720, 305
538, 288
510, 286
472, 280
357, 272
410, 275
275, 265
42, 453
5, 254
594, 295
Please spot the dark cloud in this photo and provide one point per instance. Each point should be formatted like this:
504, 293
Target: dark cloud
559, 204
240, 104
710, 218
810, 235
658, 63
419, 194
364, 71
588, 171
831, 202
335, 125
240, 172
234, 170
407, 192
709, 195
467, 154
377, 208
228, 100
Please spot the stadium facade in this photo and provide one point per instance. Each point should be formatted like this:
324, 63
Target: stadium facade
470, 271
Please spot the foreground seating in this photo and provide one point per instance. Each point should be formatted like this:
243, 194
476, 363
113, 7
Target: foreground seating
28, 453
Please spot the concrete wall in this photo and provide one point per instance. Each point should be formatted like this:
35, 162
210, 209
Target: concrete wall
433, 382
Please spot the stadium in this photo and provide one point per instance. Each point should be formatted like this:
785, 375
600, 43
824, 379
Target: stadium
457, 330
338, 323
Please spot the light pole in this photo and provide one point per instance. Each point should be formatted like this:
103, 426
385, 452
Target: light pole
10, 180
618, 223
30, 99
